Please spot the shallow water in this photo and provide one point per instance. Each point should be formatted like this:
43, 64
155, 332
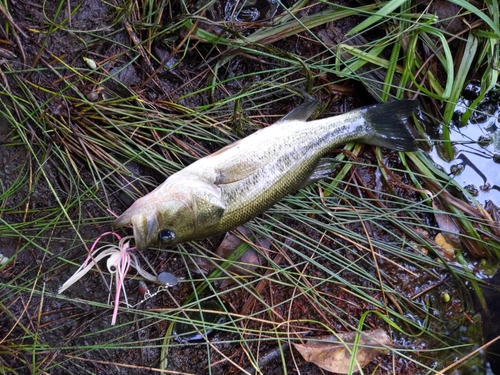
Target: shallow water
476, 146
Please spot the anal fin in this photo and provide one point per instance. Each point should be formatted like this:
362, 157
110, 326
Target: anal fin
321, 171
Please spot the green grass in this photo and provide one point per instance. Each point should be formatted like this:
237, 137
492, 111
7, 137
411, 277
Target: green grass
349, 253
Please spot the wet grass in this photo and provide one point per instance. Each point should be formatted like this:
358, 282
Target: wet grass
166, 83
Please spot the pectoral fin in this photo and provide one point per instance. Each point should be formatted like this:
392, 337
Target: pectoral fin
322, 170
235, 172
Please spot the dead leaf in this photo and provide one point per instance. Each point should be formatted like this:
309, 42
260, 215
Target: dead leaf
250, 260
446, 249
333, 353
447, 224
246, 264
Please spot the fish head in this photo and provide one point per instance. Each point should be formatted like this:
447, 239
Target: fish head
157, 220
172, 215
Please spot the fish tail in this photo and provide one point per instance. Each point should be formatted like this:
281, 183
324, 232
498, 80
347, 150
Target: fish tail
387, 125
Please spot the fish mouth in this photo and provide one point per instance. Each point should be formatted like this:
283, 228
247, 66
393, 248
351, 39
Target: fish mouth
145, 227
121, 221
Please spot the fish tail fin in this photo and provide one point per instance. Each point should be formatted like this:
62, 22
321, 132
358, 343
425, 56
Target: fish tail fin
387, 123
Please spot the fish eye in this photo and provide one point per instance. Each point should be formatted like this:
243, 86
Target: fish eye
166, 237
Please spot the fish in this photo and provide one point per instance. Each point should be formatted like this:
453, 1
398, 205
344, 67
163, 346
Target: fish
228, 188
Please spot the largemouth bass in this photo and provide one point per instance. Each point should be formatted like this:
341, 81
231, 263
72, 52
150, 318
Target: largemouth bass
233, 185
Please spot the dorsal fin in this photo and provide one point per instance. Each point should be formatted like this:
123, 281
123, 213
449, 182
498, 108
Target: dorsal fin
301, 113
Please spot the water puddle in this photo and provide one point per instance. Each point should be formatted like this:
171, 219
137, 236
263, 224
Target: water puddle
476, 146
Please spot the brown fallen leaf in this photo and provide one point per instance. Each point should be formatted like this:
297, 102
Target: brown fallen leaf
246, 264
447, 224
446, 249
333, 353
